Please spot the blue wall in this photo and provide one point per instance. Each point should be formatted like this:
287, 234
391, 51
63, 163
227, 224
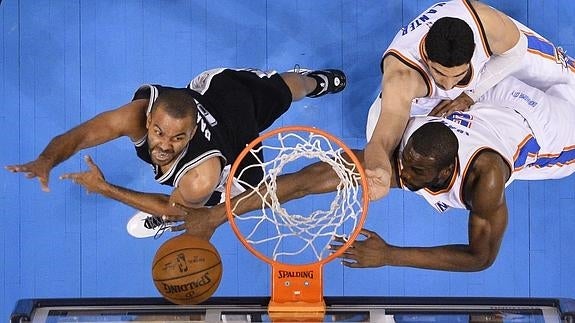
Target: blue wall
62, 62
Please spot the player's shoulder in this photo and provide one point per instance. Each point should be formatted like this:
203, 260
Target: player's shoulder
488, 15
489, 170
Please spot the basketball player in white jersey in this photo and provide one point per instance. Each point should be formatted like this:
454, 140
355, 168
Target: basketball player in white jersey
463, 161
190, 136
454, 51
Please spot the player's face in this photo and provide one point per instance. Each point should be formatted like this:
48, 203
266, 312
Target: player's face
168, 136
447, 77
418, 171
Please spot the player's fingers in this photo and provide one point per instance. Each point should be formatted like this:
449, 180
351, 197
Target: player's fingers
366, 233
182, 209
30, 175
179, 227
44, 184
13, 168
339, 239
440, 108
351, 264
334, 247
173, 217
89, 161
67, 176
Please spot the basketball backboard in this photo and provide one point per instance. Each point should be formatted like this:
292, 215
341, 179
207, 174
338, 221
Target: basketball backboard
338, 309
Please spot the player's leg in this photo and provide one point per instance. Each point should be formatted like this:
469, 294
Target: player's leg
313, 84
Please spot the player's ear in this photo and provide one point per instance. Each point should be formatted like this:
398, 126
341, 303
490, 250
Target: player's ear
148, 120
193, 131
447, 171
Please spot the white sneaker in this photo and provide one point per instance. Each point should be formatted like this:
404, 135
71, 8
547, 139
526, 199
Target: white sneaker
145, 225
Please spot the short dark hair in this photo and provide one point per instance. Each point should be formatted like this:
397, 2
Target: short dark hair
177, 103
450, 42
435, 140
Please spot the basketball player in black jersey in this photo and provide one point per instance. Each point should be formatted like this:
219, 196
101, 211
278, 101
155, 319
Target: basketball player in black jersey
189, 135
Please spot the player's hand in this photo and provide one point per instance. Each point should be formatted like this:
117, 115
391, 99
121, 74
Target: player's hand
377, 170
369, 252
378, 181
40, 168
199, 222
92, 180
447, 107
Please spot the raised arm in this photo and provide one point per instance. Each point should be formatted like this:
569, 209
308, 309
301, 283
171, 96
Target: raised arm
128, 120
507, 43
400, 85
484, 193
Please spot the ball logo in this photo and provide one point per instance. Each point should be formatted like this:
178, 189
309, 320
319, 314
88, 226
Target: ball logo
181, 259
190, 287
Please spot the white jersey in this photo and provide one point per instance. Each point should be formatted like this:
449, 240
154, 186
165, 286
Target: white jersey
528, 128
408, 44
543, 66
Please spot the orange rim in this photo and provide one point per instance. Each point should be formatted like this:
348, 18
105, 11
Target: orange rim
287, 129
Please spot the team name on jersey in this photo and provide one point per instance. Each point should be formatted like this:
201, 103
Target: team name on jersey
421, 20
203, 119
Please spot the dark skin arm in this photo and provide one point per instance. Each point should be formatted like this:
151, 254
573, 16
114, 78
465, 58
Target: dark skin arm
94, 182
484, 192
290, 186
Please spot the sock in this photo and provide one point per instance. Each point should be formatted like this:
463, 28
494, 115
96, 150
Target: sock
321, 87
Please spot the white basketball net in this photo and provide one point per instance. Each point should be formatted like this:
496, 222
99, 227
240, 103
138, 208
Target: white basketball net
283, 234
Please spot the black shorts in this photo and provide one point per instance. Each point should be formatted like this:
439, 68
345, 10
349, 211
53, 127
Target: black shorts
244, 98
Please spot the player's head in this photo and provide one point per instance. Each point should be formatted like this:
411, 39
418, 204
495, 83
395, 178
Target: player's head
428, 160
171, 125
449, 47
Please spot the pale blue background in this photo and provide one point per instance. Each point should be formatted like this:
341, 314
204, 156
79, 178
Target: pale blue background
62, 62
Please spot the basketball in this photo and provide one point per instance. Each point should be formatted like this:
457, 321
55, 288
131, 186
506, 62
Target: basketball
187, 270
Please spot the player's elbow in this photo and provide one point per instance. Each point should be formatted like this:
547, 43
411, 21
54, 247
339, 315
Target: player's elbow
194, 193
483, 261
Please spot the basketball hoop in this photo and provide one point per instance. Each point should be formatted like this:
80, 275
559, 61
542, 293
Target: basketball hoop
293, 240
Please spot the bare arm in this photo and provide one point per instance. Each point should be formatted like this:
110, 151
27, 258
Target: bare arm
94, 182
195, 188
400, 85
507, 43
487, 222
128, 120
289, 187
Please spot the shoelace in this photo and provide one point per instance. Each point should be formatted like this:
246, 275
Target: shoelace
153, 222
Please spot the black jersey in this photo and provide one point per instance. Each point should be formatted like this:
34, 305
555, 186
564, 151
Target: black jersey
234, 106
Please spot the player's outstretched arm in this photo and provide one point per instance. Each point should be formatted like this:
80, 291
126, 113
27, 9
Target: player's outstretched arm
128, 120
204, 221
484, 193
94, 182
400, 85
